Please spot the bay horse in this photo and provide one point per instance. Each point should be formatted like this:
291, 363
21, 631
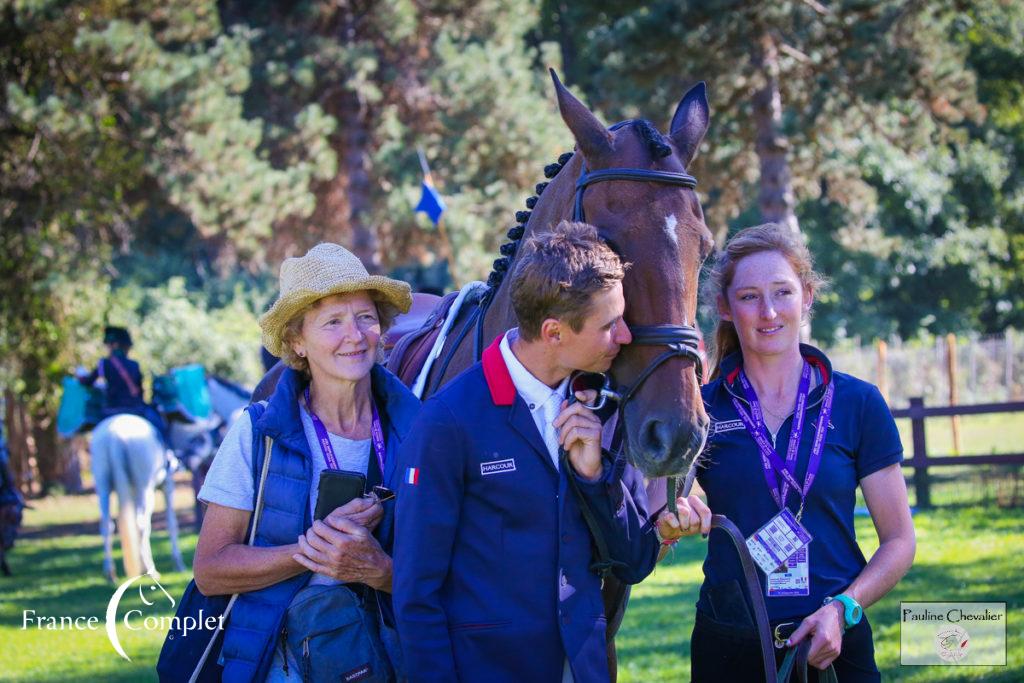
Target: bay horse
630, 182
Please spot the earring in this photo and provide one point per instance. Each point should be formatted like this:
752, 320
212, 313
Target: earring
302, 354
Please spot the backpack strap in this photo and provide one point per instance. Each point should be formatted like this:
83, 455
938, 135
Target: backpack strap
255, 411
133, 388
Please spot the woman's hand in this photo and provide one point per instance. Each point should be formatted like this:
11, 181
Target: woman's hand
825, 627
346, 551
365, 511
694, 517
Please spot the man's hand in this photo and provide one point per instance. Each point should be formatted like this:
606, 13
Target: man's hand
365, 511
694, 517
579, 433
825, 627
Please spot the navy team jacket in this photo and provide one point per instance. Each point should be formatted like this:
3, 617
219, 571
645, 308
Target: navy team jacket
120, 397
491, 577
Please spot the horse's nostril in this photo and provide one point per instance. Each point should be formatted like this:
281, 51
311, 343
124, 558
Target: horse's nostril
656, 436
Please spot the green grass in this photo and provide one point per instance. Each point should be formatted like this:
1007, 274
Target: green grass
61, 575
964, 553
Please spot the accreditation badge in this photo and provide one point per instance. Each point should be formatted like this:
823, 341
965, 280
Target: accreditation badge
793, 580
780, 549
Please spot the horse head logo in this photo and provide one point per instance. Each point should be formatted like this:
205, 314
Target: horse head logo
149, 593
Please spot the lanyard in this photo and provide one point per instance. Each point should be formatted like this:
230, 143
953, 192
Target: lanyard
376, 436
770, 460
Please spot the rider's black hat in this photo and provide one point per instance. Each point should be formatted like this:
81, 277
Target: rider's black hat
117, 335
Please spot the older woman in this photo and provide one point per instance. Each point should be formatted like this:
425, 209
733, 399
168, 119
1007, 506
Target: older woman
334, 408
791, 441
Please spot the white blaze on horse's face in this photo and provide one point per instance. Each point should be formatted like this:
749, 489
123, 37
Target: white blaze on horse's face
670, 229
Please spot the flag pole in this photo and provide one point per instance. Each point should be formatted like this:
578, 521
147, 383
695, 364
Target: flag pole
424, 166
446, 244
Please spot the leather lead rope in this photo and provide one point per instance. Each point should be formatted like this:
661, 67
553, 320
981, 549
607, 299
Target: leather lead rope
604, 563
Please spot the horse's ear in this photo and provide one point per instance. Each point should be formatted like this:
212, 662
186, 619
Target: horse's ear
591, 135
690, 122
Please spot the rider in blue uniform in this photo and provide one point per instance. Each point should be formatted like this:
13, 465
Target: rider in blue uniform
122, 381
493, 578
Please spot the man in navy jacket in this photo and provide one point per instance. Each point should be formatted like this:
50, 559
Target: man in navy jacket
492, 576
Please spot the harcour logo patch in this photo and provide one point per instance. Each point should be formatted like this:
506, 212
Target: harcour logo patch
497, 466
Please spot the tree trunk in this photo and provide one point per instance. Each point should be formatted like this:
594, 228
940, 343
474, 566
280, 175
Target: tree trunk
48, 454
71, 474
775, 199
346, 205
355, 159
18, 444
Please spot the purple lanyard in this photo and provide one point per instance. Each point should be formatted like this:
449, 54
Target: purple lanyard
770, 460
376, 436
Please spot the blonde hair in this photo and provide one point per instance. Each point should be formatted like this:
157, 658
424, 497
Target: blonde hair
747, 242
292, 331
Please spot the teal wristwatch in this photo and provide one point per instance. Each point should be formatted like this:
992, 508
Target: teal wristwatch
852, 611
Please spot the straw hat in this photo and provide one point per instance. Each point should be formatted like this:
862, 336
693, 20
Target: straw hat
326, 269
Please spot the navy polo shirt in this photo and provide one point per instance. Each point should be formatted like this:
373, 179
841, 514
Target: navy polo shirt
862, 439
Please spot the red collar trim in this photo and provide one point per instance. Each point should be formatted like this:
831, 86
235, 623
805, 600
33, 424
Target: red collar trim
822, 368
499, 380
813, 360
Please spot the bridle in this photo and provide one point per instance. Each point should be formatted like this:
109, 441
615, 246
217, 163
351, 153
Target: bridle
682, 341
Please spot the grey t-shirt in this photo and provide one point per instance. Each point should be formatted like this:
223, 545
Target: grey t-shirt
230, 483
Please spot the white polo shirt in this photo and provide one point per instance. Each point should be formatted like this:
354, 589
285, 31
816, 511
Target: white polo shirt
542, 400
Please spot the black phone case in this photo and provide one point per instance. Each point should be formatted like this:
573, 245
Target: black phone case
336, 488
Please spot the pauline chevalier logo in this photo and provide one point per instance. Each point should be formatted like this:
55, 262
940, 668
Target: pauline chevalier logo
951, 644
953, 633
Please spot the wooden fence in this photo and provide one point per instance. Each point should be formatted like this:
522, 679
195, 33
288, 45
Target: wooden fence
921, 461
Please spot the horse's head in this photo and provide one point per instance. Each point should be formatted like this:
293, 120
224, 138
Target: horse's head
657, 225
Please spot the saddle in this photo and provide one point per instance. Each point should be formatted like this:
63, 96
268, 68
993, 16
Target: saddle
414, 334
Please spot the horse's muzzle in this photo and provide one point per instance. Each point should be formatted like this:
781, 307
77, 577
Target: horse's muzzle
662, 446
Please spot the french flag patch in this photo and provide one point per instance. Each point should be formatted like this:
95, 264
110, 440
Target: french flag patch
412, 475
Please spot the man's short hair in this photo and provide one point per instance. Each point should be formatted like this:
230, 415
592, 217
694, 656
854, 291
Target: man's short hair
557, 273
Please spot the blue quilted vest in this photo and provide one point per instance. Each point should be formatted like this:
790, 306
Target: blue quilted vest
258, 616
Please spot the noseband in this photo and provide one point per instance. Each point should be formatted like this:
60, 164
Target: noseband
682, 341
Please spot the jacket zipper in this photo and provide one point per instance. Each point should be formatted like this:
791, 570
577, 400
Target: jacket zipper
284, 649
307, 665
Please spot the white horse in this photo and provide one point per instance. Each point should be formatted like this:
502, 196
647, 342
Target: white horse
128, 458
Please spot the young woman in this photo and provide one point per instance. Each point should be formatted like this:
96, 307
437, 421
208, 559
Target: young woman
770, 400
